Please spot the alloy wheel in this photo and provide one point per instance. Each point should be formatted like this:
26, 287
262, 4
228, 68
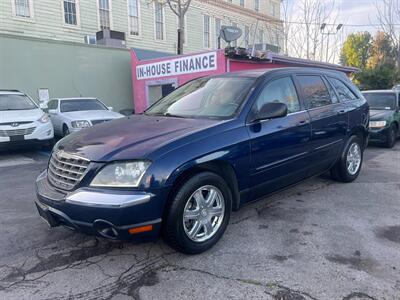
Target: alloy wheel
203, 213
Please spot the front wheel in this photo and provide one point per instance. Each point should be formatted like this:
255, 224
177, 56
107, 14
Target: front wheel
391, 137
199, 213
349, 165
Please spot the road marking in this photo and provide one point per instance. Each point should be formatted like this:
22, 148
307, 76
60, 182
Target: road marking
10, 160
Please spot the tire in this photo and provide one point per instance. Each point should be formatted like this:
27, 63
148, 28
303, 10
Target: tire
391, 136
65, 130
176, 231
341, 171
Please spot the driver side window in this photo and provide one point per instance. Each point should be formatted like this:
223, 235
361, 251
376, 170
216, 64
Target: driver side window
279, 90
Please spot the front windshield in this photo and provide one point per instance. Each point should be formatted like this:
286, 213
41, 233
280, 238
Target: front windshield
81, 105
15, 102
381, 101
210, 97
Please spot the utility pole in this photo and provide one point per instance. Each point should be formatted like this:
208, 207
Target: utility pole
328, 34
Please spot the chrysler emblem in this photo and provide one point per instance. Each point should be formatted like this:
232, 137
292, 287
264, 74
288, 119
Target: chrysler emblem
14, 124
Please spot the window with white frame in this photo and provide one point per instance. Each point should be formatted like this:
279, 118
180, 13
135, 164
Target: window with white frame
70, 12
246, 36
159, 20
206, 31
218, 23
105, 14
234, 43
23, 8
241, 2
133, 12
256, 5
261, 36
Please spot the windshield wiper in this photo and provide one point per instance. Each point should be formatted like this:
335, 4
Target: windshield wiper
172, 115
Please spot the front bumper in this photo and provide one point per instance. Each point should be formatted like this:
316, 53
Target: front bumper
378, 135
41, 134
107, 213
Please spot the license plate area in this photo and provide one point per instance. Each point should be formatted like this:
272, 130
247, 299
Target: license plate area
17, 138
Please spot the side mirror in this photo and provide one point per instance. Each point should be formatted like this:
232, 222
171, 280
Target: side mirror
110, 108
43, 105
52, 111
271, 110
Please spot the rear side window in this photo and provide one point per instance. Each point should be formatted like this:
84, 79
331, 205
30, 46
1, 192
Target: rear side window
315, 91
279, 90
345, 94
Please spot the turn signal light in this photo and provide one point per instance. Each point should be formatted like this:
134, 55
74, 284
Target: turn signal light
141, 229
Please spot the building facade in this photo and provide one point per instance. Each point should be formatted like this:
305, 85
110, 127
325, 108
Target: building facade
148, 24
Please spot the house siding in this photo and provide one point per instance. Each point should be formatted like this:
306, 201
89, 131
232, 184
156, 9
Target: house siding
48, 23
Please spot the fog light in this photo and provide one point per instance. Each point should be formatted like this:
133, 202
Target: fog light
140, 229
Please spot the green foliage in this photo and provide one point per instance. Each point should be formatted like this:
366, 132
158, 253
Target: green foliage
382, 77
376, 58
356, 50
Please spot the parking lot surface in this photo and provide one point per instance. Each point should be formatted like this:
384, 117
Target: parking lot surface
318, 240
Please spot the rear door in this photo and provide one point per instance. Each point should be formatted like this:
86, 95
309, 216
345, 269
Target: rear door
329, 121
279, 147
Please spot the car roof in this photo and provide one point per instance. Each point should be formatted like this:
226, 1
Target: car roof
75, 98
380, 91
262, 72
11, 92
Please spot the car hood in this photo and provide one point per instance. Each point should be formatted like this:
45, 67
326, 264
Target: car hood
380, 115
28, 115
92, 115
132, 137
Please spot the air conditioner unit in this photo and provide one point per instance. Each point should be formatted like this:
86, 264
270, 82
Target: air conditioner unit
111, 38
268, 47
90, 39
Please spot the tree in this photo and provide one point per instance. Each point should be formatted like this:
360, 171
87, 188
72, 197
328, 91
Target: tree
382, 77
180, 8
382, 51
389, 20
305, 39
356, 50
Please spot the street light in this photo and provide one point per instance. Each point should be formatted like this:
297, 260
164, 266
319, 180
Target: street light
329, 33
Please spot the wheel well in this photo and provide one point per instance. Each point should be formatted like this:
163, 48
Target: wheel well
362, 134
222, 168
64, 126
396, 124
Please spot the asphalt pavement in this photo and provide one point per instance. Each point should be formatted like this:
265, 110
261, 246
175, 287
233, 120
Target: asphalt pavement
318, 240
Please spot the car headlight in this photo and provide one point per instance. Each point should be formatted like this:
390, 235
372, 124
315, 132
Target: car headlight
377, 124
80, 124
121, 174
44, 119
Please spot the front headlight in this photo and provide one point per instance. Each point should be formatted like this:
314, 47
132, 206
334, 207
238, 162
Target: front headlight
44, 119
377, 124
80, 124
121, 174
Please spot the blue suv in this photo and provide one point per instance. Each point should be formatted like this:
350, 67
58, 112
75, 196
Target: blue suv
208, 148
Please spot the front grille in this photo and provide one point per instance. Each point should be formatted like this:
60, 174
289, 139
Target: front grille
65, 170
15, 132
16, 123
95, 122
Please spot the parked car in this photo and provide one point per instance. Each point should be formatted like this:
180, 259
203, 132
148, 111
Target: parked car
72, 114
209, 147
396, 87
22, 121
385, 116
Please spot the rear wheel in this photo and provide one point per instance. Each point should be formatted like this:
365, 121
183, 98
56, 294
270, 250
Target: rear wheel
391, 137
349, 165
199, 214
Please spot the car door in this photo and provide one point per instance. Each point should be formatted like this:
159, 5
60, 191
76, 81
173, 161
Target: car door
279, 147
329, 121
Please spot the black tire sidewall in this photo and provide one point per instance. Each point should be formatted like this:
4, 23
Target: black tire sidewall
175, 232
391, 137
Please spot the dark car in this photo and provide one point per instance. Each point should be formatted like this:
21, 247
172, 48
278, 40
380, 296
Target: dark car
384, 116
208, 148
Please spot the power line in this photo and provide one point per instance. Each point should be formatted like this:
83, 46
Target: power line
344, 24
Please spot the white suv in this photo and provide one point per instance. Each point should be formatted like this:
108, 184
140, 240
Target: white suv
22, 121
